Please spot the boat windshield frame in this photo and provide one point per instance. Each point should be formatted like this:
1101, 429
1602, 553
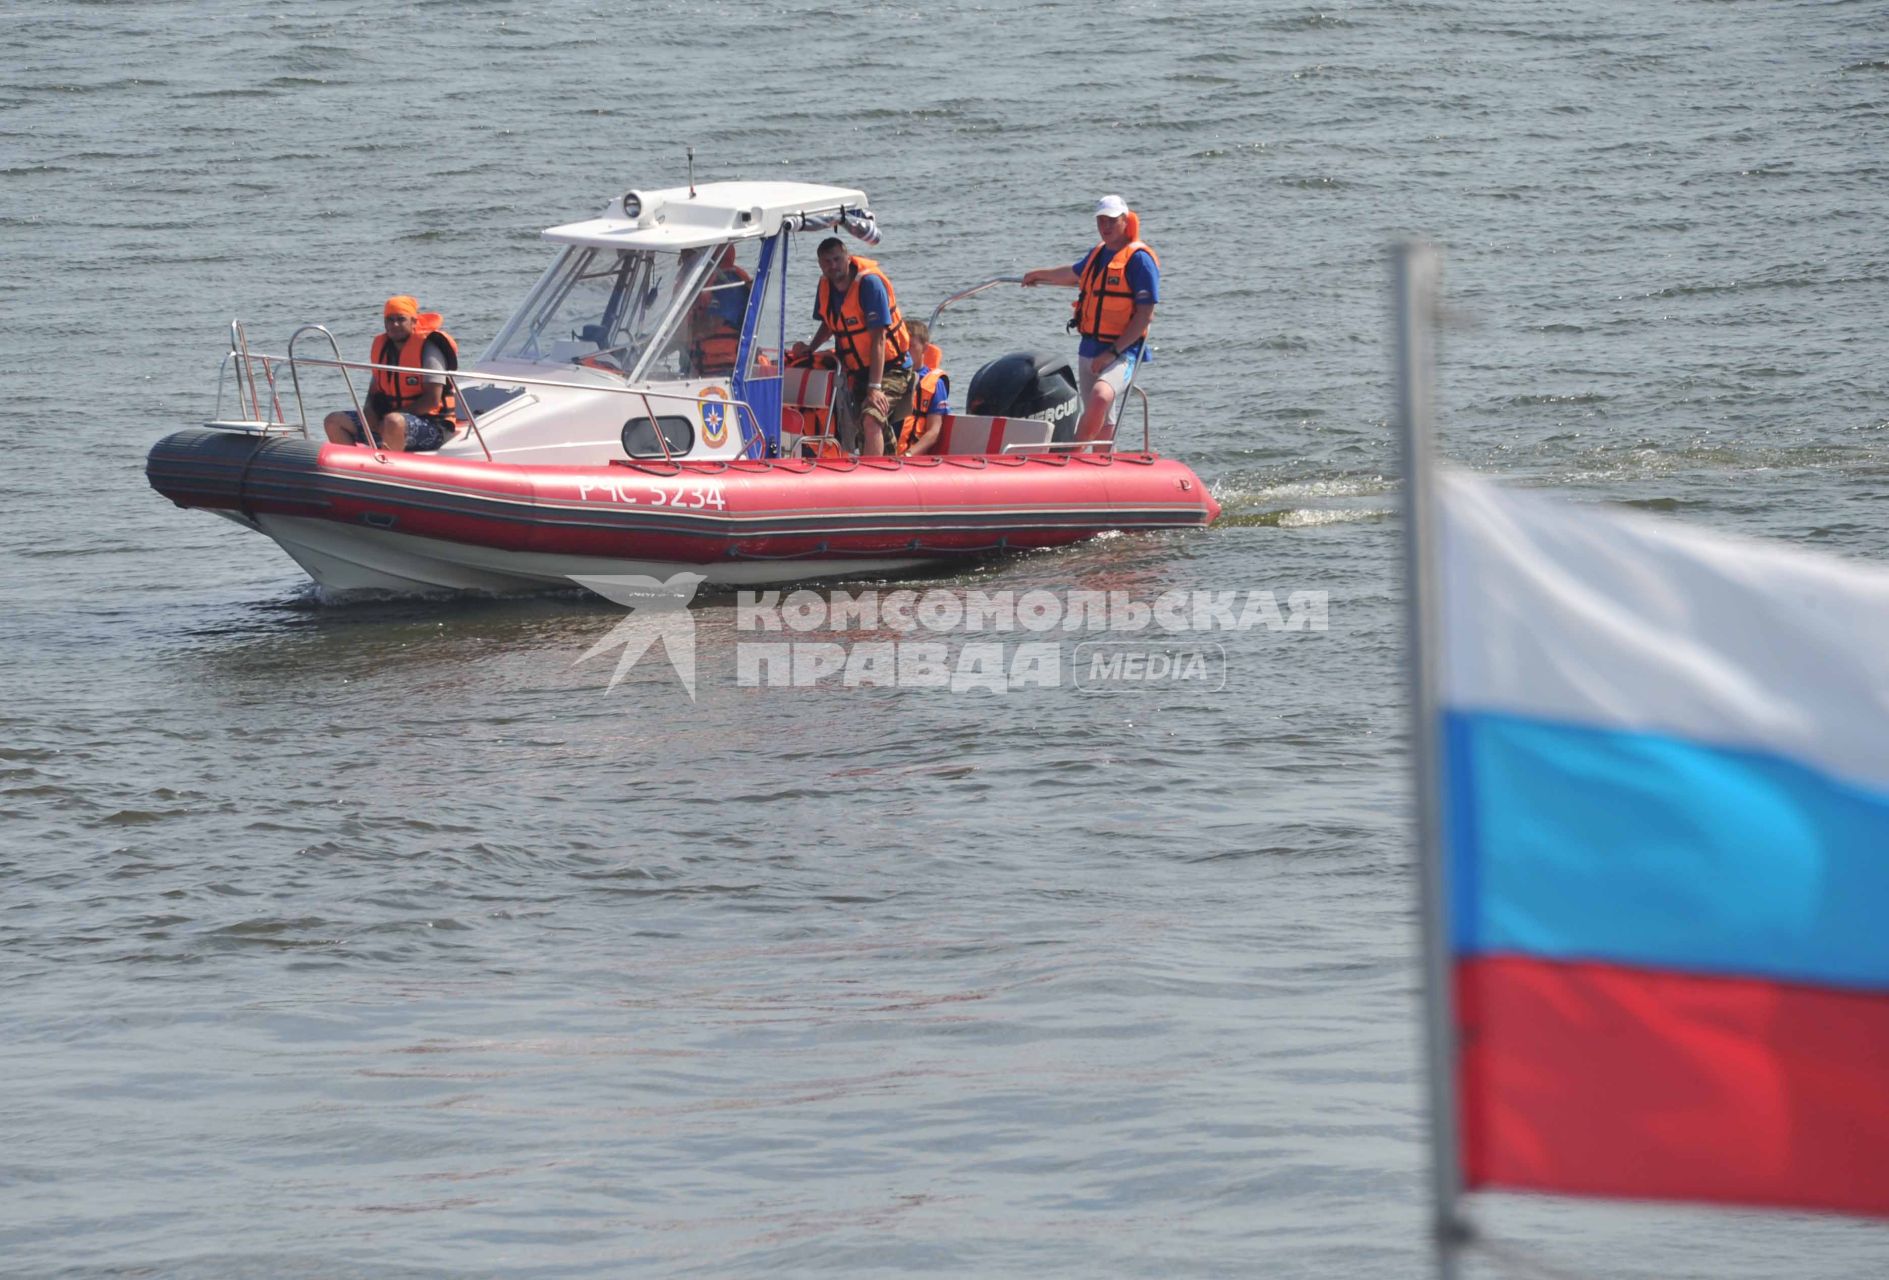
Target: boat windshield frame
624, 332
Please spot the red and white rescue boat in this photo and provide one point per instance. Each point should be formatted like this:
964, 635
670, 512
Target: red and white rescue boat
636, 416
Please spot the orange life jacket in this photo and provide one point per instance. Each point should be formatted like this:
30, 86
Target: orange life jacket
848, 321
1106, 303
714, 343
398, 390
924, 387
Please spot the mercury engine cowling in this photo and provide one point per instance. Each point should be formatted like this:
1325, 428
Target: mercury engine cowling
1028, 384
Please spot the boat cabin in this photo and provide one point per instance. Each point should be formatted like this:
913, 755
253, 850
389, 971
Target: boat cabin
659, 331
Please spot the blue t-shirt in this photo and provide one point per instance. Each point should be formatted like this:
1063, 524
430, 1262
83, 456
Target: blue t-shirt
729, 303
875, 302
1144, 277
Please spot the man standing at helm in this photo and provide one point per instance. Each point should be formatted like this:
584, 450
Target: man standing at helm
1120, 282
857, 307
409, 409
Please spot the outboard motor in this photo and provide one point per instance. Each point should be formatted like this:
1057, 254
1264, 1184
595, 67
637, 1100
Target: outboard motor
1028, 384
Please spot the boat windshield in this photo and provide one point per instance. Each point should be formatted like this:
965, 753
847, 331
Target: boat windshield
607, 308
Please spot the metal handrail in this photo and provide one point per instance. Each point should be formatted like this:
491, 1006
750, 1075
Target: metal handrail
655, 427
970, 292
275, 391
246, 375
301, 406
1147, 440
472, 419
1078, 446
1048, 446
295, 377
276, 418
222, 375
456, 377
239, 342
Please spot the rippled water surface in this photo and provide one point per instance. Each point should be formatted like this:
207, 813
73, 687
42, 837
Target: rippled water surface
379, 939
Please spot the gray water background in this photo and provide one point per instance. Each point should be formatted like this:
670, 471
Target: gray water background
378, 940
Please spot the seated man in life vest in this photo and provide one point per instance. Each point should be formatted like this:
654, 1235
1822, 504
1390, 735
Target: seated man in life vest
923, 429
857, 307
714, 327
1120, 283
411, 410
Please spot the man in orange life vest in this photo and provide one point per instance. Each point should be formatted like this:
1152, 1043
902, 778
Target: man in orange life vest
1120, 282
857, 307
714, 328
410, 411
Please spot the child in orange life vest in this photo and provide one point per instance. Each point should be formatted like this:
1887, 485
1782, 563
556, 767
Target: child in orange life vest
922, 432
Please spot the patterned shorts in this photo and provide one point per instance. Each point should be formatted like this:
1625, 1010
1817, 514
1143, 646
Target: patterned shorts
424, 434
896, 383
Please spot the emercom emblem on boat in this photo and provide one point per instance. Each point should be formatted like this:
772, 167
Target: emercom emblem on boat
714, 410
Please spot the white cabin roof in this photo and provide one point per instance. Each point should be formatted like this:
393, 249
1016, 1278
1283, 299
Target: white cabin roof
718, 211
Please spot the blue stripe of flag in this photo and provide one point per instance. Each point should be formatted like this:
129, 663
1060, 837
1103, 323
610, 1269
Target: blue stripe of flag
1570, 842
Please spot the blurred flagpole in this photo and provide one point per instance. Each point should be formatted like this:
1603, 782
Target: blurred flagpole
1416, 268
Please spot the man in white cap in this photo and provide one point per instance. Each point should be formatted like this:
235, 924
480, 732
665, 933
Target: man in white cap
1120, 283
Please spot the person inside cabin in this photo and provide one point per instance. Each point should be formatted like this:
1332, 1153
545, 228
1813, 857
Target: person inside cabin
858, 308
1119, 282
929, 400
409, 410
714, 327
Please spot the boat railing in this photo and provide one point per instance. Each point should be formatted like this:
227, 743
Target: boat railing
971, 292
249, 416
247, 363
1078, 446
1147, 439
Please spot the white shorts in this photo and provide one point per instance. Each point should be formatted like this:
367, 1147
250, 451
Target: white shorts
1116, 375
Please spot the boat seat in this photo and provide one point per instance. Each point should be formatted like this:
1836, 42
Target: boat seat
969, 434
569, 350
806, 410
964, 433
807, 388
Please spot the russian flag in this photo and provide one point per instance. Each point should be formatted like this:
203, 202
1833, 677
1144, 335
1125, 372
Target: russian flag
1665, 828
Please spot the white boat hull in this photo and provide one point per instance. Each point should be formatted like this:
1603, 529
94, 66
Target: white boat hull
344, 559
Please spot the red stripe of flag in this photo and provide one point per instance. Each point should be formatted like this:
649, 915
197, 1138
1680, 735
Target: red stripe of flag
1595, 1079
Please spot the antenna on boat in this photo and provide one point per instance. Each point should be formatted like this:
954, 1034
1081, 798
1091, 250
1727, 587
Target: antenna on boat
691, 173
